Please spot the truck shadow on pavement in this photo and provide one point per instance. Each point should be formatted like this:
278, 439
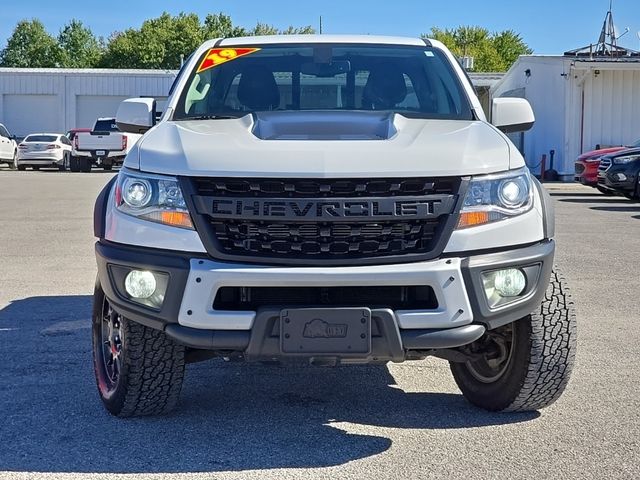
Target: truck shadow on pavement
232, 417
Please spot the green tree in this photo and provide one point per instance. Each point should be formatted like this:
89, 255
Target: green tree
492, 52
510, 46
133, 49
159, 43
266, 29
308, 30
30, 46
80, 48
220, 25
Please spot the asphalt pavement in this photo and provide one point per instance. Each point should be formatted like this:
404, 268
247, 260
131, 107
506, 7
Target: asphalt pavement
237, 421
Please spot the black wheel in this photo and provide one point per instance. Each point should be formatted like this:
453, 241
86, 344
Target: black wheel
524, 365
107, 167
85, 164
139, 370
65, 163
35, 168
22, 168
74, 164
14, 163
604, 191
635, 195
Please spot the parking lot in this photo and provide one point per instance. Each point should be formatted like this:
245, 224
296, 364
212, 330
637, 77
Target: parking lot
246, 421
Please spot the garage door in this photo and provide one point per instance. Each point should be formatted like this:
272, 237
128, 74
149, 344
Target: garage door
611, 107
25, 114
90, 107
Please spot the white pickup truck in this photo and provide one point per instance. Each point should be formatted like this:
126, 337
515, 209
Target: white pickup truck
335, 200
105, 146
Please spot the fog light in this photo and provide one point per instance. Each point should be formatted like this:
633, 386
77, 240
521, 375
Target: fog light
501, 286
509, 282
140, 284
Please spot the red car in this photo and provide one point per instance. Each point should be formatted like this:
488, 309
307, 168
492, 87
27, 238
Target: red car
586, 165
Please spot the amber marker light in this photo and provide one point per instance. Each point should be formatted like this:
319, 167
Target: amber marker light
176, 219
473, 219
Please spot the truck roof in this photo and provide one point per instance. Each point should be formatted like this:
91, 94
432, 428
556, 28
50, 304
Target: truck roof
303, 39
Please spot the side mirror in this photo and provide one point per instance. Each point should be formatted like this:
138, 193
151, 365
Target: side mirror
136, 115
512, 115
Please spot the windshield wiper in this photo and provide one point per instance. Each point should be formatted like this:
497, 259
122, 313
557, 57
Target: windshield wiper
209, 117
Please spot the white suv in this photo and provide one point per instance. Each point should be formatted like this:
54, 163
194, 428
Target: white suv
334, 200
8, 147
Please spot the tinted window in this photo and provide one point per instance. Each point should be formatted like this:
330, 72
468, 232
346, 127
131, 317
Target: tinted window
65, 140
40, 138
4, 132
106, 126
415, 81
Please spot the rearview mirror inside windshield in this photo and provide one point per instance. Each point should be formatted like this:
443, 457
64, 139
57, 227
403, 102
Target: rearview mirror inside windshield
326, 69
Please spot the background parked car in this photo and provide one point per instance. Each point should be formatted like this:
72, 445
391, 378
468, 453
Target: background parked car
8, 147
44, 150
586, 166
619, 173
105, 146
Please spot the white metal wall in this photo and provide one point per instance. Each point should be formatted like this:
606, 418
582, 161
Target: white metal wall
540, 81
31, 113
578, 105
59, 99
90, 107
611, 108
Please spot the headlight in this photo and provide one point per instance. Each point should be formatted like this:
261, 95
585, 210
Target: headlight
152, 197
625, 160
492, 198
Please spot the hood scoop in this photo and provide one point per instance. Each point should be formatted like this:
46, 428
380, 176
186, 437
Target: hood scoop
324, 125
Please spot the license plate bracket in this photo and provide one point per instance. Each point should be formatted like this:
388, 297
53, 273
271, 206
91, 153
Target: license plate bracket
101, 153
325, 331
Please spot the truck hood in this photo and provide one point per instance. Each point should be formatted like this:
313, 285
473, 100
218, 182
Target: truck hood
240, 148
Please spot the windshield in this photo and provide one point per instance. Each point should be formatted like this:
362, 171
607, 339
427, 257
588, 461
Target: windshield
40, 138
106, 126
414, 81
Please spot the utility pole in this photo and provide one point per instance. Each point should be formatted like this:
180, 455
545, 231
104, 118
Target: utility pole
320, 24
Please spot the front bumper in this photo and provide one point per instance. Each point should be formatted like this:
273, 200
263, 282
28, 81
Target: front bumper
586, 173
187, 314
619, 178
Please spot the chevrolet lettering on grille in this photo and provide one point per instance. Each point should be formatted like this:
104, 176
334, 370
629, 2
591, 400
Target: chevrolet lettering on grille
330, 209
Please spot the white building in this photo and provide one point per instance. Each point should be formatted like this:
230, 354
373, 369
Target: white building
56, 100
580, 103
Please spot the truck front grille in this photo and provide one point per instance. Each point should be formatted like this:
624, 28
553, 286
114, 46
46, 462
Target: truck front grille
605, 163
312, 222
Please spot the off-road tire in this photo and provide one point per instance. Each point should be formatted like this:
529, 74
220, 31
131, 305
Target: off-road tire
152, 368
544, 347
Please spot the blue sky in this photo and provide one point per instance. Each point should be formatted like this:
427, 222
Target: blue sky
548, 26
